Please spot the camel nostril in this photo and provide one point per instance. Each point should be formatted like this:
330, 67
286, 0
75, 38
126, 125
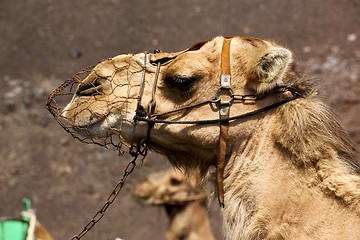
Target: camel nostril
90, 89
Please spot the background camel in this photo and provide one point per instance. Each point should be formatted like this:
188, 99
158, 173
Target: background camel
184, 200
290, 172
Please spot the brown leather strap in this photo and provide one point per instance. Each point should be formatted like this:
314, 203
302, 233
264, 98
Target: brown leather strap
224, 107
225, 57
224, 112
224, 130
164, 56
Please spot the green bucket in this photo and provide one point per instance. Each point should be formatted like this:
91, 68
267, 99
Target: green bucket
13, 229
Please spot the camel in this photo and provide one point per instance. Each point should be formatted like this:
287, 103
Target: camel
287, 167
184, 200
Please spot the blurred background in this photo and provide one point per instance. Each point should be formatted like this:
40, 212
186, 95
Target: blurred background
44, 42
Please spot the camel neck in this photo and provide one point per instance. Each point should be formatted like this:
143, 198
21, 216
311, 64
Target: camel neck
269, 193
243, 171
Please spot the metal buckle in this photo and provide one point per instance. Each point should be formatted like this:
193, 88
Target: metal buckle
224, 108
225, 81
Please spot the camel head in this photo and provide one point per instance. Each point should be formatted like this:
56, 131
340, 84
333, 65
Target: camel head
104, 103
170, 187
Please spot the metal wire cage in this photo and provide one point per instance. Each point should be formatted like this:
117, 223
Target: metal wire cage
89, 84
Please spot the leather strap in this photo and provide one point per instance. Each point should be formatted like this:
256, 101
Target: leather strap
225, 56
165, 56
224, 113
224, 130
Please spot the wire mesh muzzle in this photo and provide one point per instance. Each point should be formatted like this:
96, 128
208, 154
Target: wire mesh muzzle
87, 88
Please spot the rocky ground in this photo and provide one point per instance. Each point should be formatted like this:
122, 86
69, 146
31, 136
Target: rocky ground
45, 42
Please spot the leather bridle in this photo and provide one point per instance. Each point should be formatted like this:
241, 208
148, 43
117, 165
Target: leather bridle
225, 90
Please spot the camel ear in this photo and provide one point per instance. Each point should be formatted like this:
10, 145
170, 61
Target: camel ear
269, 70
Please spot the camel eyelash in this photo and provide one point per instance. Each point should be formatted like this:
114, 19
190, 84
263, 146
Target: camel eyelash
183, 84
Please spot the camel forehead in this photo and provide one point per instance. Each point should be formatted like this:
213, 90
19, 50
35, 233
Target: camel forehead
207, 49
206, 59
245, 44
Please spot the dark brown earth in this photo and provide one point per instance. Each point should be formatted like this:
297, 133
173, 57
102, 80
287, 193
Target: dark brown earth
44, 42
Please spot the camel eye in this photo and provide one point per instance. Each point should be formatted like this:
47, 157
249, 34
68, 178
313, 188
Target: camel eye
182, 83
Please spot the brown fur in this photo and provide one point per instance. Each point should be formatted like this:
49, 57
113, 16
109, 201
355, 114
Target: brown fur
41, 233
290, 172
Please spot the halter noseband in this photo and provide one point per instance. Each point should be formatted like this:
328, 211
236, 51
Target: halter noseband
148, 116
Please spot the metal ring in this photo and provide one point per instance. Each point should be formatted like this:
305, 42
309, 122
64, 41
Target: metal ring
227, 88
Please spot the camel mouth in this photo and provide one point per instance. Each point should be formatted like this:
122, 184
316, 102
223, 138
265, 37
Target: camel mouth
97, 126
93, 121
79, 117
83, 124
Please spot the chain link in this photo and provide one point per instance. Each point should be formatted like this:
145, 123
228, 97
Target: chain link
246, 97
140, 151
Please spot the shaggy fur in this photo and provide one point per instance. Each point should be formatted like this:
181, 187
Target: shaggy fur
290, 173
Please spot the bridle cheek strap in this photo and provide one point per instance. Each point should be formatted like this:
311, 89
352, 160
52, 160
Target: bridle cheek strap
224, 113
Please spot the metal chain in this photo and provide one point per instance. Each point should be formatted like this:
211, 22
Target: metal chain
140, 151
